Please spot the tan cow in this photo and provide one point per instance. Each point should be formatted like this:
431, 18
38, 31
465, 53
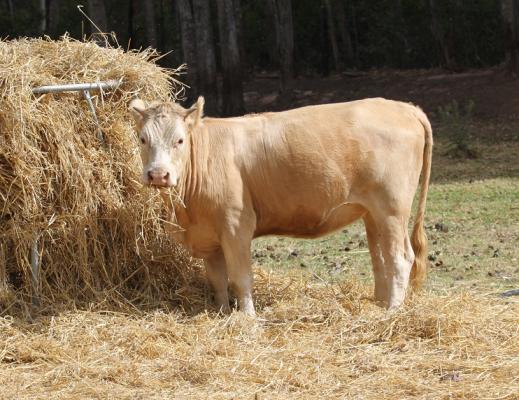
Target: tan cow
304, 173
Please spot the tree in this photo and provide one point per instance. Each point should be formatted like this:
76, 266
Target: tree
331, 35
344, 33
149, 21
43, 17
401, 45
196, 31
438, 31
97, 13
205, 55
130, 20
188, 43
232, 88
281, 13
10, 6
239, 30
510, 12
53, 14
323, 36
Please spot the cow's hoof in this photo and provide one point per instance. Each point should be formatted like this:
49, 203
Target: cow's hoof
239, 322
381, 303
249, 313
224, 309
393, 309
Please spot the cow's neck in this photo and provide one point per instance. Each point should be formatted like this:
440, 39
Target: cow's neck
191, 181
192, 164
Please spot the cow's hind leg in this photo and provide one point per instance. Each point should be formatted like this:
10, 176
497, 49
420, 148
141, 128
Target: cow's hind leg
381, 282
398, 256
216, 273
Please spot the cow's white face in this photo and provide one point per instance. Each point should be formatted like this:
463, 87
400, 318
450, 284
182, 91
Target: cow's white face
164, 140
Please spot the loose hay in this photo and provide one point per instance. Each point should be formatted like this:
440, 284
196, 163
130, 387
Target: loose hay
99, 231
308, 345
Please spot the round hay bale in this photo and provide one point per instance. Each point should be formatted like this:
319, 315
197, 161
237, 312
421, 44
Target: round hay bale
99, 233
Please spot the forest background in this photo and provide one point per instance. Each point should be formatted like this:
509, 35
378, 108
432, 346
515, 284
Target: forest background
228, 42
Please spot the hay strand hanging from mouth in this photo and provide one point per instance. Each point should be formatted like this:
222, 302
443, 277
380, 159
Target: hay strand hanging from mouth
98, 230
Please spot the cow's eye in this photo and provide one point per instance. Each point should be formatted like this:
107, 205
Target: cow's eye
143, 141
180, 141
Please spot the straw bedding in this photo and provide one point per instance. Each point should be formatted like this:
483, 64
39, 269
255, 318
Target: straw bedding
122, 307
313, 342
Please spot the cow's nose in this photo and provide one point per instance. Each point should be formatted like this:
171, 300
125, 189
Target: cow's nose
158, 177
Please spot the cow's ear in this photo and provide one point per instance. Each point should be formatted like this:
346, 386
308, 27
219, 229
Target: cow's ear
138, 109
195, 113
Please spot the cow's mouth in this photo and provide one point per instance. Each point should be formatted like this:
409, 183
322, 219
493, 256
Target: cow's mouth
160, 185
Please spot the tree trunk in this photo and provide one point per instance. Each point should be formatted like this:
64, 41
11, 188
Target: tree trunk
161, 35
510, 12
188, 42
331, 35
205, 55
323, 38
149, 20
355, 32
232, 90
97, 13
439, 34
281, 13
43, 17
10, 5
53, 16
344, 33
402, 46
131, 13
239, 29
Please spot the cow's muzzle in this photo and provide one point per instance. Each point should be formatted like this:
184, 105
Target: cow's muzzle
160, 177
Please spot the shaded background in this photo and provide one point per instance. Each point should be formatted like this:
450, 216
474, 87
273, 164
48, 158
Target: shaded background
228, 42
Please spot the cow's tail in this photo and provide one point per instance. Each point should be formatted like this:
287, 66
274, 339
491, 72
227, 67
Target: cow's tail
418, 237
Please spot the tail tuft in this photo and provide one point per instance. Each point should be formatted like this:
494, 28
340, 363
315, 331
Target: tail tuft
419, 243
418, 237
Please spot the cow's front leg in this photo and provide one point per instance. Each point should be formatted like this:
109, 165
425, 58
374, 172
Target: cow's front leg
216, 273
236, 249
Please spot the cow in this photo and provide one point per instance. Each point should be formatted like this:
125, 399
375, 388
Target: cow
304, 173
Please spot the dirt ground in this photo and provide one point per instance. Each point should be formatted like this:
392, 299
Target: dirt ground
495, 94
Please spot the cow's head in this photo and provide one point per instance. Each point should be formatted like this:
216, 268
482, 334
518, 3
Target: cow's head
164, 136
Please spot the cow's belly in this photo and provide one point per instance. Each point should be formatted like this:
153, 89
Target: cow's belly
310, 223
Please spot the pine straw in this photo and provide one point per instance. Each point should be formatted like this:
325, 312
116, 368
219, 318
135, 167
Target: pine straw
312, 341
99, 231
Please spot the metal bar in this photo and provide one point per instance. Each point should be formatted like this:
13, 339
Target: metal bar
88, 98
76, 87
85, 88
35, 273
